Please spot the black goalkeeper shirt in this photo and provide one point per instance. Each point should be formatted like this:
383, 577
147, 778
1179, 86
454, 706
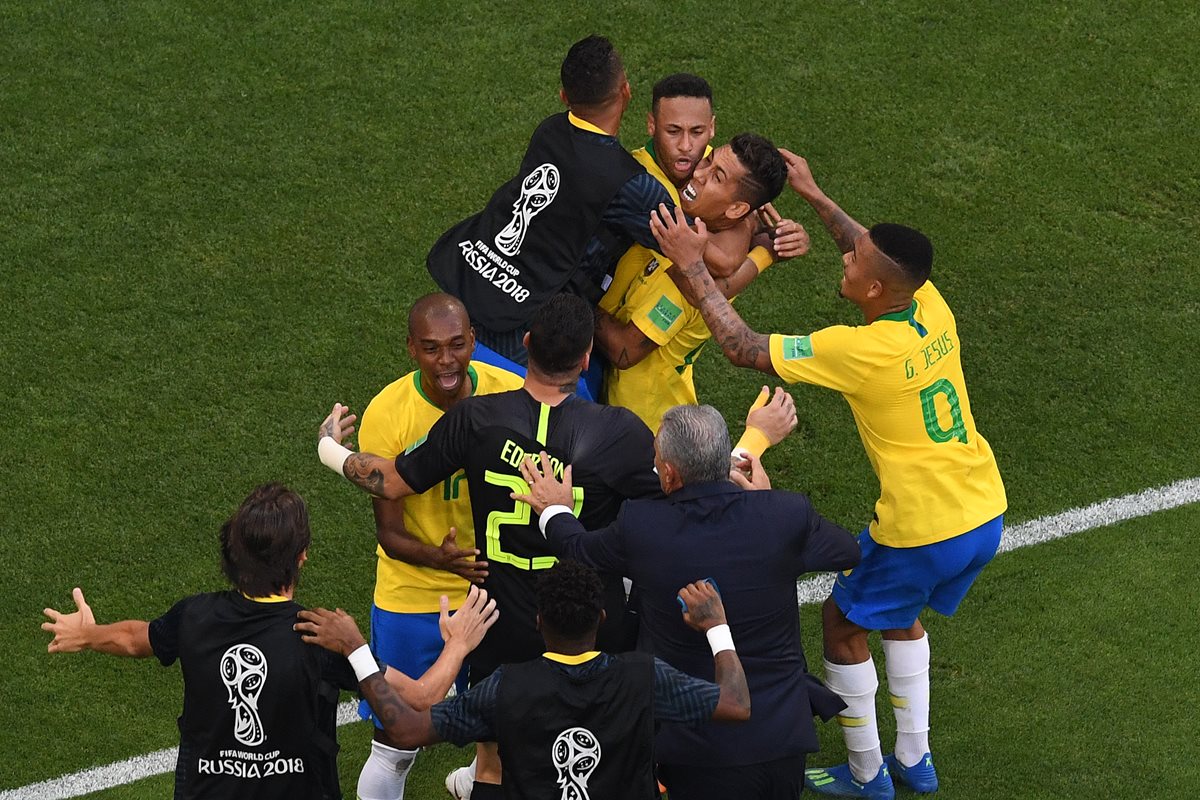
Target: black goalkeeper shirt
611, 453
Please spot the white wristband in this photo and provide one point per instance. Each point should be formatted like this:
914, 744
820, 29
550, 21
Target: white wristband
363, 662
332, 454
719, 638
551, 511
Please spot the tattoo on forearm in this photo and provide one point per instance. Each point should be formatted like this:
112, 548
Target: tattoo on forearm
841, 226
327, 428
363, 470
384, 701
741, 345
731, 676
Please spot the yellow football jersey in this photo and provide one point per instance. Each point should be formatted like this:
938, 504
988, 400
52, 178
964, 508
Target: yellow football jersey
641, 292
399, 417
902, 376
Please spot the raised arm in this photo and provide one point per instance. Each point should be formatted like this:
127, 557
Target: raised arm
370, 472
685, 247
704, 612
79, 631
844, 229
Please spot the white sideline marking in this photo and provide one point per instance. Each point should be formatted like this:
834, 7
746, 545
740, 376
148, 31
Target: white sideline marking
813, 590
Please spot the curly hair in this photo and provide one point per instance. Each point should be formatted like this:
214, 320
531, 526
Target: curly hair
570, 598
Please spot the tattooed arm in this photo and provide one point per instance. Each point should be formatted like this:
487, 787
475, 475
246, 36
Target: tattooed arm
368, 471
841, 226
702, 611
741, 345
622, 344
338, 632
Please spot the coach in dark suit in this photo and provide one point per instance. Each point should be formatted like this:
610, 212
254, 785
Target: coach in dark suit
753, 544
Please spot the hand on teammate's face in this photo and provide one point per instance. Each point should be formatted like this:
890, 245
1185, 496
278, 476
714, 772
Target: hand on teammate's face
678, 242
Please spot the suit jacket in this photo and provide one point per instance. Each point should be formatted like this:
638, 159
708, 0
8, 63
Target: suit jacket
753, 544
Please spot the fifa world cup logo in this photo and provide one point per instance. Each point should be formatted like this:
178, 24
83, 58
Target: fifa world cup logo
537, 192
576, 754
244, 672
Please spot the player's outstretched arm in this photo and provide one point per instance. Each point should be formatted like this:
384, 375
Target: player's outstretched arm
338, 632
372, 473
704, 612
685, 247
462, 632
79, 631
841, 226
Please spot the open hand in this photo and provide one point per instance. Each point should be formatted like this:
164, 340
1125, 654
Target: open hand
678, 242
461, 561
70, 630
335, 425
465, 628
544, 489
777, 418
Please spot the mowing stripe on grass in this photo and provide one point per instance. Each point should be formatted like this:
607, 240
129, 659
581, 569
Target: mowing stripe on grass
813, 590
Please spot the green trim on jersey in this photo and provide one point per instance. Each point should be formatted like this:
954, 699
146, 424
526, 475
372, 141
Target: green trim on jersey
543, 424
909, 316
474, 376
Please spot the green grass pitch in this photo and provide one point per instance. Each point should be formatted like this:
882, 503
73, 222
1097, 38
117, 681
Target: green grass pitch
214, 216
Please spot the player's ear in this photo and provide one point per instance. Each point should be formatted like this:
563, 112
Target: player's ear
303, 557
712, 127
562, 95
412, 348
738, 209
649, 123
875, 290
537, 622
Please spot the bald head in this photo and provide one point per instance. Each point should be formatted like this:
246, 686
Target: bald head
439, 306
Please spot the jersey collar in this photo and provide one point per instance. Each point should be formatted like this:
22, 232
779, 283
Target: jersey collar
582, 658
271, 598
583, 124
908, 315
471, 373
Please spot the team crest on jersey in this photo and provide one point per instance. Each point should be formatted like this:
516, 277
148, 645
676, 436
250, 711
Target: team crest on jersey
649, 270
576, 754
244, 673
537, 192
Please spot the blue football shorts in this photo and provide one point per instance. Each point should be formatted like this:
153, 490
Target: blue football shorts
409, 643
891, 586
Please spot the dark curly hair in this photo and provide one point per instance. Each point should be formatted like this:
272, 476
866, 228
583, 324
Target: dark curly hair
570, 598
